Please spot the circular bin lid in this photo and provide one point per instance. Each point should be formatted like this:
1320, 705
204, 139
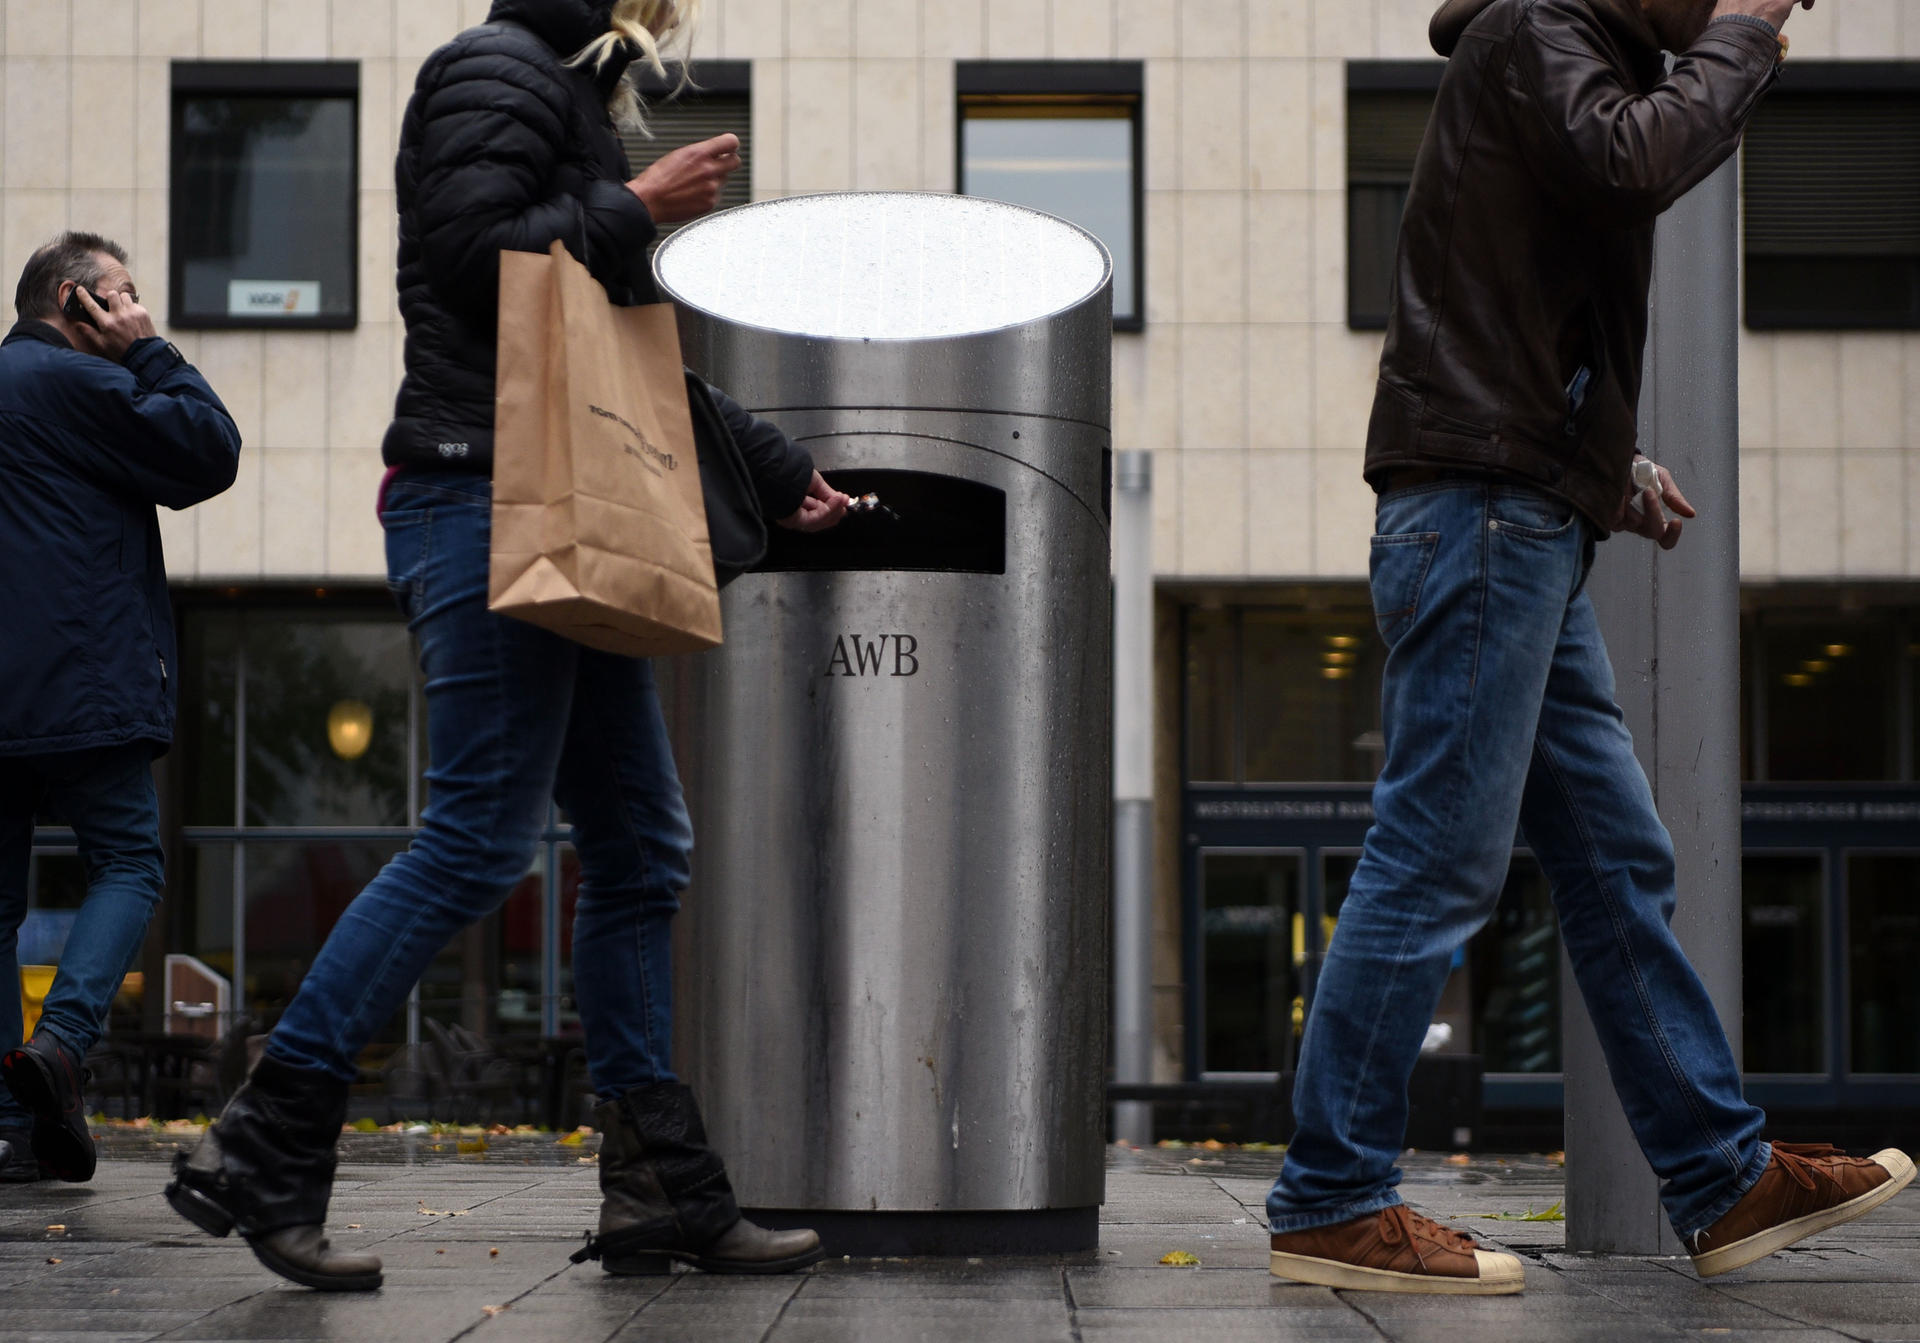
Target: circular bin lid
882, 266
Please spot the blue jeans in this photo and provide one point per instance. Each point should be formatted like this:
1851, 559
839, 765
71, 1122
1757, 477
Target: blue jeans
515, 715
1498, 708
107, 796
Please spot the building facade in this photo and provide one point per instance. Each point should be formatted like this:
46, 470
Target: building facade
1241, 158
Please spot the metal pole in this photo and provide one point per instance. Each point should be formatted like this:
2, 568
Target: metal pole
1133, 790
1672, 625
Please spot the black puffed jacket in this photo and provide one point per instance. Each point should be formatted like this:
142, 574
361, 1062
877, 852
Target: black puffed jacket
1519, 318
504, 147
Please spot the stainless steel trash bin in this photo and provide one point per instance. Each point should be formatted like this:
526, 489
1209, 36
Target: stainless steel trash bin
892, 996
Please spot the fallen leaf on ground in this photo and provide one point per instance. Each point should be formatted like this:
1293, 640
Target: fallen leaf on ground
1552, 1213
477, 1145
1459, 1159
495, 1310
58, 1226
1556, 1158
1180, 1259
494, 1253
53, 1261
353, 1226
575, 1138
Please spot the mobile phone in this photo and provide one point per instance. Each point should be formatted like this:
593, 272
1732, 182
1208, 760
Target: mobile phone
76, 311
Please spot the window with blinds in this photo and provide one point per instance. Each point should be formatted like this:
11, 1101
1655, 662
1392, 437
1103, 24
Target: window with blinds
1064, 137
1832, 199
1384, 128
717, 103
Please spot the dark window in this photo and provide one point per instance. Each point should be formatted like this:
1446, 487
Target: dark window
717, 102
1783, 950
1832, 192
1283, 695
1312, 687
265, 194
1515, 966
1830, 690
1883, 944
1063, 137
1388, 103
1253, 939
1213, 729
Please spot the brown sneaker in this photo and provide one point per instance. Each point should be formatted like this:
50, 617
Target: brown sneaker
1395, 1250
1807, 1187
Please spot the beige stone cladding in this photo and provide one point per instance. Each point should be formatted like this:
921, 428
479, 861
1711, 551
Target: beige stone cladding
1245, 383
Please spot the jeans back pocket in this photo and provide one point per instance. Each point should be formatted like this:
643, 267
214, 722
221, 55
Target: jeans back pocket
1396, 573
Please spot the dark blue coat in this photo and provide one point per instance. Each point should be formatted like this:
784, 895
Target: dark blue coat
88, 447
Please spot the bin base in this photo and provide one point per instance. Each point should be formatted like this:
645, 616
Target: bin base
873, 1235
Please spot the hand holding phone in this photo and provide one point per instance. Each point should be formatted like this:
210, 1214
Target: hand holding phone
76, 310
109, 326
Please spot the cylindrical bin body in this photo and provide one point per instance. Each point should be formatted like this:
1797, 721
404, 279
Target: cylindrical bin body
892, 969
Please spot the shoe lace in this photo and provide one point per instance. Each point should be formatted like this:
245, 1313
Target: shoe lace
1399, 1225
1799, 1159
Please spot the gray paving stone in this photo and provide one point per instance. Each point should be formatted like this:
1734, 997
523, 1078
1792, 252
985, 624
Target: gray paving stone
130, 1268
1185, 1288
1879, 1312
1277, 1325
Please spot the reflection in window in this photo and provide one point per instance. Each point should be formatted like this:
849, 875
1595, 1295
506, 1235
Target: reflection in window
1783, 954
1283, 695
1515, 964
327, 714
1212, 697
1830, 699
1883, 946
295, 894
327, 720
1072, 155
1312, 687
1384, 129
265, 194
1250, 922
1831, 186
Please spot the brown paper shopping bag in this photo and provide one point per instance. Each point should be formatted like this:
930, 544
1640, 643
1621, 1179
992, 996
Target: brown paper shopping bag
599, 531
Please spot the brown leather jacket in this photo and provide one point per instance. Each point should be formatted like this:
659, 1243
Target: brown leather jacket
1520, 294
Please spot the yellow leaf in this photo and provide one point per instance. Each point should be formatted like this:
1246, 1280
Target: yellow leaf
1180, 1259
575, 1138
477, 1145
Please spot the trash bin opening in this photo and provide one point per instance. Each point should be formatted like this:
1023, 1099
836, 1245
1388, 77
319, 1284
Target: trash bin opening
924, 521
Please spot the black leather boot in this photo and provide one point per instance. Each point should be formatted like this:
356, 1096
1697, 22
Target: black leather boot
665, 1195
18, 1164
49, 1079
265, 1169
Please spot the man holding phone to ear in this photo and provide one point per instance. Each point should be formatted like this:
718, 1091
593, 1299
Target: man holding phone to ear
100, 421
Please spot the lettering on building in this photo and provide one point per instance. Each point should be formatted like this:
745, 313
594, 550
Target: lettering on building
879, 655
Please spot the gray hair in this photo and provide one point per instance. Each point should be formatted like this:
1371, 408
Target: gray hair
73, 256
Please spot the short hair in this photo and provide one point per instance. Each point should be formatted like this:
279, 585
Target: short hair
74, 256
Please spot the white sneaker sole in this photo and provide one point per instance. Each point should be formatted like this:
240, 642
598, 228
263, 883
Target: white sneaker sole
1500, 1275
1776, 1238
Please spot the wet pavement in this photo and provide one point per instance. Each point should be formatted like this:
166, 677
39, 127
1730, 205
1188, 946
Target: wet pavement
476, 1245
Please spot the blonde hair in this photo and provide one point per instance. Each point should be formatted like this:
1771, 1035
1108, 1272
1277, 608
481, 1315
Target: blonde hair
648, 26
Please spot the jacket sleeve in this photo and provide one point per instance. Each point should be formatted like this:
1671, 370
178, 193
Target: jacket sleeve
493, 134
781, 469
1606, 150
152, 429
